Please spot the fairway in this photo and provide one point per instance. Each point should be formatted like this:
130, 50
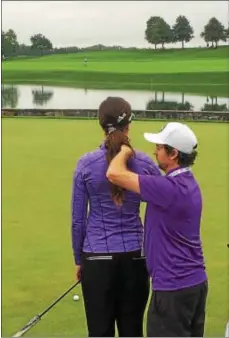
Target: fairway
199, 71
154, 67
38, 159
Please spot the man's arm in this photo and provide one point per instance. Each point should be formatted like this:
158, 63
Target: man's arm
159, 190
118, 173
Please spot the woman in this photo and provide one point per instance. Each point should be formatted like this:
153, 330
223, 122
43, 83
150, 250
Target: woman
107, 239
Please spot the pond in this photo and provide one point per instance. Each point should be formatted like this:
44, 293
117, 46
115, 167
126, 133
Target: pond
47, 97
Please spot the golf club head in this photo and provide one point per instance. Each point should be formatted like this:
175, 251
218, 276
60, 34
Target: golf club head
27, 327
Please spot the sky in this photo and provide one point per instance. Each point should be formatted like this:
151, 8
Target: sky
86, 23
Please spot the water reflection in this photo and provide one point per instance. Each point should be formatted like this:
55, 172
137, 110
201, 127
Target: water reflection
212, 105
163, 104
41, 97
10, 96
33, 96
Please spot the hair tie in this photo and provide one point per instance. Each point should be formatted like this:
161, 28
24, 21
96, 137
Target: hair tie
110, 128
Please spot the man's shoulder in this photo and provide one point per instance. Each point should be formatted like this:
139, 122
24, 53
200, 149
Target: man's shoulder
186, 184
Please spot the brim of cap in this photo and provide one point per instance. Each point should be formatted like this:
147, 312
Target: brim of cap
154, 138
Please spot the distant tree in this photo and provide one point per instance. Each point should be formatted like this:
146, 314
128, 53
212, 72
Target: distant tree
158, 31
214, 32
206, 38
9, 42
24, 49
151, 32
166, 33
226, 32
182, 30
41, 43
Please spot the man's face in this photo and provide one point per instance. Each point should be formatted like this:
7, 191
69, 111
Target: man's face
164, 159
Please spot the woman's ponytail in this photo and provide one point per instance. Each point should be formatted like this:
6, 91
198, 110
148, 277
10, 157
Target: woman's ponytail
113, 144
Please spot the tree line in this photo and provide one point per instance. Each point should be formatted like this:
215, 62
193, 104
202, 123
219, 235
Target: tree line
158, 32
11, 46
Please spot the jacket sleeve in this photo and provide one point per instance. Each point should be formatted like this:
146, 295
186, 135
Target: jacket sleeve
79, 212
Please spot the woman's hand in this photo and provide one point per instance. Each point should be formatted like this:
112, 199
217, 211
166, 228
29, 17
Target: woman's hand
78, 272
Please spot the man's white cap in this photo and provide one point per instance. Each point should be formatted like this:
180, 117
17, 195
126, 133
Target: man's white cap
176, 135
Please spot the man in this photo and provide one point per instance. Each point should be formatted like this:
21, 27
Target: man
172, 232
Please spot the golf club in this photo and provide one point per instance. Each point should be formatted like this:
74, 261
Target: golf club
38, 317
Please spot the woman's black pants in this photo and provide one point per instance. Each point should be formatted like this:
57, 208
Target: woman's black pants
115, 290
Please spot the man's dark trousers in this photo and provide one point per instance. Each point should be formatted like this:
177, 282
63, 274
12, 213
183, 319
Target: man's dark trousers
178, 313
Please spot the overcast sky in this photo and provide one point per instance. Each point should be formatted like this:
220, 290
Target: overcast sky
84, 23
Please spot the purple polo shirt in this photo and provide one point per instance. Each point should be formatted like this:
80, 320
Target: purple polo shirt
98, 225
172, 230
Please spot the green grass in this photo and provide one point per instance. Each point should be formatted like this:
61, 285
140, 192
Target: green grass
38, 158
137, 55
197, 71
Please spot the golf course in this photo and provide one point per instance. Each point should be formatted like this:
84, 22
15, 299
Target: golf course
199, 70
78, 247
79, 242
39, 156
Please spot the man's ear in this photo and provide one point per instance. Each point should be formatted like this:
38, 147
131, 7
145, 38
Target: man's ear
174, 154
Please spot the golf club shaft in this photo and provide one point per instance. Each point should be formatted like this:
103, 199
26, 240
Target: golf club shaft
58, 299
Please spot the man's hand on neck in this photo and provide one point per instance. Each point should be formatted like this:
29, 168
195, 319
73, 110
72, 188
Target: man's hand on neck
118, 164
118, 173
126, 151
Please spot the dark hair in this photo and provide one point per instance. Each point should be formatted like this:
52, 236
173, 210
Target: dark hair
114, 116
183, 159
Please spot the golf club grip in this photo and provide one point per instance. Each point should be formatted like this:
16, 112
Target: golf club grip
58, 299
27, 327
